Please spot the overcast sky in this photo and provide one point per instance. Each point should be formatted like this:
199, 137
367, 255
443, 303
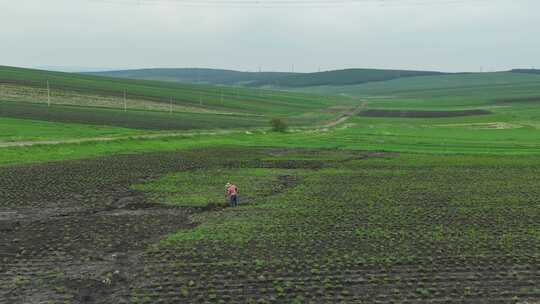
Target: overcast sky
447, 35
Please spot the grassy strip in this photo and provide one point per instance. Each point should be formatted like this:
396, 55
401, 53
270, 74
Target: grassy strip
12, 130
206, 187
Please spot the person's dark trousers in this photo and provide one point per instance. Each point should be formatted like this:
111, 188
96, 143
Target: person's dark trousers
233, 201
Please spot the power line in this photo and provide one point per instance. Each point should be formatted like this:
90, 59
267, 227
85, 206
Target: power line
125, 100
48, 94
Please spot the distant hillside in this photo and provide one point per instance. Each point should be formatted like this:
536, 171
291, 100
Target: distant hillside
202, 76
274, 79
464, 88
348, 77
204, 97
526, 71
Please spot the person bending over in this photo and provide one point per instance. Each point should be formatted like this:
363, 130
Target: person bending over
232, 194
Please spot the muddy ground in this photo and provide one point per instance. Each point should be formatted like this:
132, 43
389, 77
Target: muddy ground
74, 232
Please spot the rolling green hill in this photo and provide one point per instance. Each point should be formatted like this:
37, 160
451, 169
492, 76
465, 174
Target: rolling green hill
199, 76
478, 112
526, 71
155, 105
349, 77
271, 79
441, 92
231, 99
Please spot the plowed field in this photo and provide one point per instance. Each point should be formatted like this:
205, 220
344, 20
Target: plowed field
317, 226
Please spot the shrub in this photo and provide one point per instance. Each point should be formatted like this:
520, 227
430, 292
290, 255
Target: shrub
278, 125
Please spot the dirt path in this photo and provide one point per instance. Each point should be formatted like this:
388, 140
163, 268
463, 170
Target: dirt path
344, 117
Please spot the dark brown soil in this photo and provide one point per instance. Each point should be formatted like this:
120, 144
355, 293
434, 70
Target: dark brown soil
421, 114
528, 99
74, 232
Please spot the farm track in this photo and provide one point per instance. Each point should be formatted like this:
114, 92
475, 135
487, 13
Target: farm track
76, 233
346, 116
105, 139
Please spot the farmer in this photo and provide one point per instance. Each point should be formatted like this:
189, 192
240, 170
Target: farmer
232, 194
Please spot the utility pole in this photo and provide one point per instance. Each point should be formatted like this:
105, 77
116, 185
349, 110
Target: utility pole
200, 98
48, 94
125, 101
221, 95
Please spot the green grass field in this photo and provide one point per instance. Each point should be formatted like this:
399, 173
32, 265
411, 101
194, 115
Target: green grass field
206, 76
372, 209
16, 130
151, 105
511, 128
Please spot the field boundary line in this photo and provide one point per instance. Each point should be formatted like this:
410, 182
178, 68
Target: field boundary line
106, 139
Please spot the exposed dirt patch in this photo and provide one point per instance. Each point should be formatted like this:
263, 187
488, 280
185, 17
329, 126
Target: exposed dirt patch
345, 155
528, 99
488, 125
74, 232
421, 114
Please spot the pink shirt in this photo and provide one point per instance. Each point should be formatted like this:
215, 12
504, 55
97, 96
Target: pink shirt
232, 190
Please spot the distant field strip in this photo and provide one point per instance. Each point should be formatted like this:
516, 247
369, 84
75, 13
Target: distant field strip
14, 92
487, 125
15, 131
148, 120
532, 99
421, 114
164, 136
